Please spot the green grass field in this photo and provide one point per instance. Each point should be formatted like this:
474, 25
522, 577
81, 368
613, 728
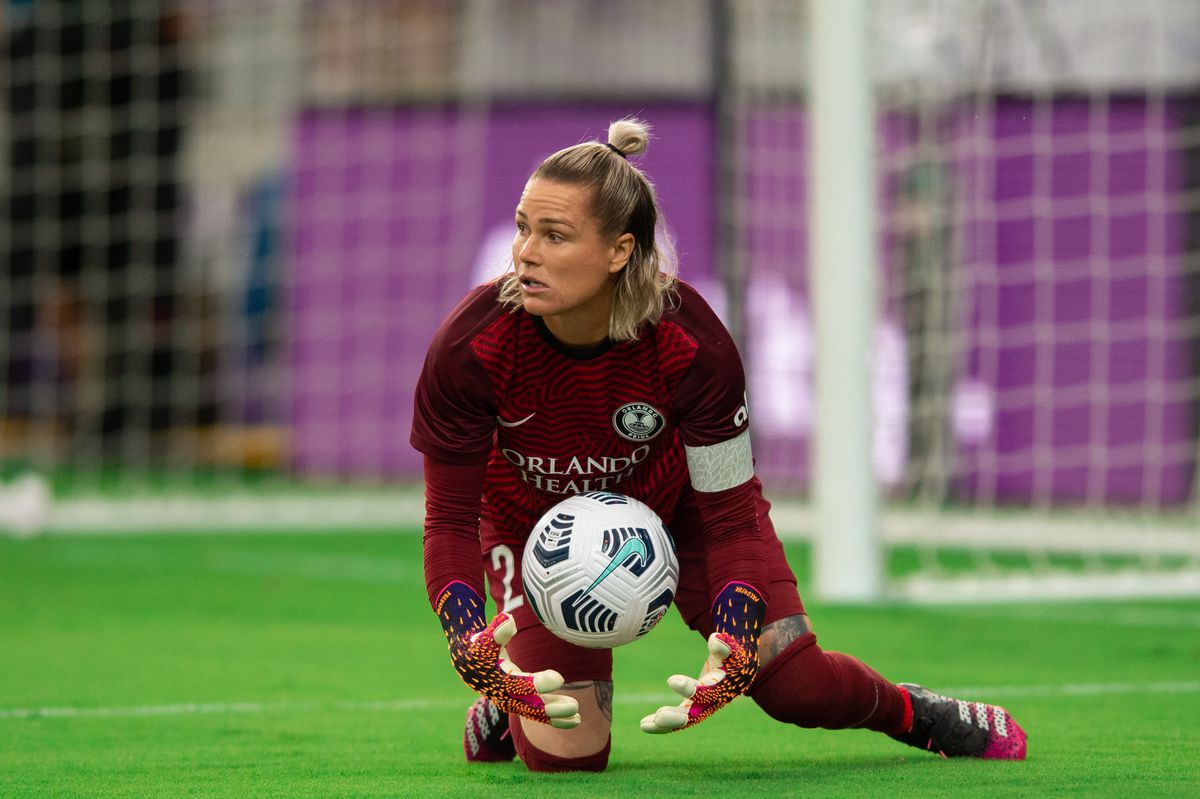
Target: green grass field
248, 665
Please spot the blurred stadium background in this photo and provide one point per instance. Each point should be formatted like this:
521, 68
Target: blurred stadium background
230, 229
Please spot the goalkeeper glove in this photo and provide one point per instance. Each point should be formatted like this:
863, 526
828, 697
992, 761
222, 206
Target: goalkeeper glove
477, 654
730, 668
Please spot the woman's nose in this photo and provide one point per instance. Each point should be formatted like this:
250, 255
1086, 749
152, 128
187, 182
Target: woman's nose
527, 252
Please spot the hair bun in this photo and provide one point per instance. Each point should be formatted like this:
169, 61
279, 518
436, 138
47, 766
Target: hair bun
630, 136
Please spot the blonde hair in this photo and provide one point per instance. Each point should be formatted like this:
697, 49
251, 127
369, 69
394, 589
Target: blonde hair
623, 201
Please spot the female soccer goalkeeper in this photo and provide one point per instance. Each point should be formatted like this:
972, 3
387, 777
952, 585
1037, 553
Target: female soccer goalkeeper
523, 400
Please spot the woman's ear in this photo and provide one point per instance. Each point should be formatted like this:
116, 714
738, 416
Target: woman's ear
621, 251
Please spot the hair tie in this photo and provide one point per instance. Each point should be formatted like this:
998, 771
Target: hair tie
615, 149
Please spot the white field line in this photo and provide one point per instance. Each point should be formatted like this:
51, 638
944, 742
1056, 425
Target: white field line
794, 519
1050, 586
1108, 614
237, 511
650, 700
385, 510
1076, 690
238, 708
242, 562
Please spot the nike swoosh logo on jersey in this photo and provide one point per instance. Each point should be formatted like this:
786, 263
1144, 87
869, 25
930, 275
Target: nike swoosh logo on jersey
632, 546
517, 423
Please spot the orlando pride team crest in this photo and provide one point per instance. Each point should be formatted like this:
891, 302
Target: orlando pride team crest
637, 421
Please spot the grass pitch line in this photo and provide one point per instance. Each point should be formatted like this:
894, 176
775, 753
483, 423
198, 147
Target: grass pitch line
1079, 689
236, 511
240, 708
181, 709
414, 705
1107, 615
240, 562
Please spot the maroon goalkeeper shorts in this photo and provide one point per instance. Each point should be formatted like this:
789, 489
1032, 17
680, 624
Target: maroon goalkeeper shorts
535, 648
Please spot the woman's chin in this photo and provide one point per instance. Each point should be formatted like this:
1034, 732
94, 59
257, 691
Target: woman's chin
536, 306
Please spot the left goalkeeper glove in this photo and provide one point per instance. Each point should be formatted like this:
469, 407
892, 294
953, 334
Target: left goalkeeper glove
477, 652
730, 668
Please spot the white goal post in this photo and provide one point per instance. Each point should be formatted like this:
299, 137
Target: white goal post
847, 556
1032, 180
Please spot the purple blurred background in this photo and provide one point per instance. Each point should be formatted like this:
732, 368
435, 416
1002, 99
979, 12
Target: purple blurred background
1070, 303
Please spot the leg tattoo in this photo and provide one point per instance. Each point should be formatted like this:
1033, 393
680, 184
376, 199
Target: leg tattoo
778, 635
604, 693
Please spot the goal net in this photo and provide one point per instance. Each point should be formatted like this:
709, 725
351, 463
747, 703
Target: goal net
1035, 348
1042, 248
229, 230
233, 228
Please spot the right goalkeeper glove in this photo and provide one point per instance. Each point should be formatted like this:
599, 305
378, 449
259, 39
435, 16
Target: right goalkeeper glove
731, 666
476, 651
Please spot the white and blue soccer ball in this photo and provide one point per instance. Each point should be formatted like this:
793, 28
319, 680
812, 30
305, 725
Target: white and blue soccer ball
600, 569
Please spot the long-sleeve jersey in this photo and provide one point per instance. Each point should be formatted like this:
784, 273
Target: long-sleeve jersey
511, 421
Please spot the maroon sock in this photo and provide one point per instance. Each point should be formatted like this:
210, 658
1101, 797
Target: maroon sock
537, 760
809, 687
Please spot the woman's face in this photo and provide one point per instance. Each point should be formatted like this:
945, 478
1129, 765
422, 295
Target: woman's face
566, 267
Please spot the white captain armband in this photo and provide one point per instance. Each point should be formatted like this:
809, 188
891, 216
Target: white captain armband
721, 466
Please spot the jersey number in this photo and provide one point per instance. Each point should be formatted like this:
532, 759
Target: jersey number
503, 555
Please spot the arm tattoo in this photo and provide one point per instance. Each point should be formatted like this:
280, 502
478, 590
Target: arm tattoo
778, 635
604, 693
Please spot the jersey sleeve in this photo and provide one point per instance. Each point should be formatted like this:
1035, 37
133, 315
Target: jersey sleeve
715, 428
451, 540
453, 425
454, 416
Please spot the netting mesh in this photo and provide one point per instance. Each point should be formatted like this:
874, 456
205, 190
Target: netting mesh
230, 229
1035, 351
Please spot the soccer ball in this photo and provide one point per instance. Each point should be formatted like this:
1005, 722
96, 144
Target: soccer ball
600, 569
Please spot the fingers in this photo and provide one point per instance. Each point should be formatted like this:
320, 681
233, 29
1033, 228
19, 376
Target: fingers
543, 681
682, 685
505, 630
717, 647
666, 719
530, 695
670, 718
547, 681
701, 698
563, 711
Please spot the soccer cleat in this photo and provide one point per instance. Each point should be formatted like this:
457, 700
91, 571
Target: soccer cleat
953, 728
487, 738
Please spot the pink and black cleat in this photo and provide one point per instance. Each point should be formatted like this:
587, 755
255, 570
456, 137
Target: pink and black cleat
486, 738
953, 728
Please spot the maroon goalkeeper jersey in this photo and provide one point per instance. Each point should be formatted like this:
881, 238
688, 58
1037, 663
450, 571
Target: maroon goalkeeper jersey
644, 418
